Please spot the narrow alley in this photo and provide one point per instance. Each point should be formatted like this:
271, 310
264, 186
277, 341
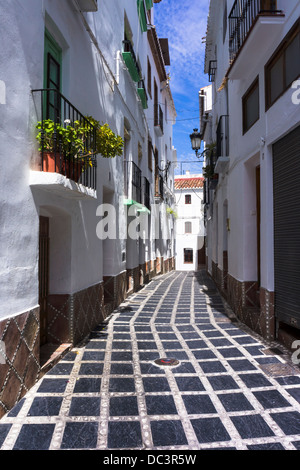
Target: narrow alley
218, 387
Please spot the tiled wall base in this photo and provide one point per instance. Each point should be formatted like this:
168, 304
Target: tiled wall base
20, 335
72, 316
253, 306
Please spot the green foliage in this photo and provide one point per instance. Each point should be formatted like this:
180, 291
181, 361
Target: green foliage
108, 144
172, 212
82, 140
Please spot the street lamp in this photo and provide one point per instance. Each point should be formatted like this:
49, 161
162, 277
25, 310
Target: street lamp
196, 141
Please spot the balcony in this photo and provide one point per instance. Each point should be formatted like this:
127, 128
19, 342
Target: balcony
146, 199
134, 193
142, 94
222, 145
159, 187
130, 61
251, 23
67, 152
158, 120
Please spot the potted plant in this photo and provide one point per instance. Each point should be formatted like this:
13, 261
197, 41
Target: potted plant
70, 149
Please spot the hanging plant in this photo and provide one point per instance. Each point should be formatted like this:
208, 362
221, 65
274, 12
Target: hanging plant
108, 144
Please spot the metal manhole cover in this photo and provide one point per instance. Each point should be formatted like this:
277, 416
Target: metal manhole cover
278, 369
164, 361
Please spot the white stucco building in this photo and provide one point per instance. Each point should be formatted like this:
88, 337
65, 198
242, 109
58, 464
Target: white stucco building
252, 60
66, 257
190, 236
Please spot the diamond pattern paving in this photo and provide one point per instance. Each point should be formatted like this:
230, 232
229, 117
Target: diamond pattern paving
226, 389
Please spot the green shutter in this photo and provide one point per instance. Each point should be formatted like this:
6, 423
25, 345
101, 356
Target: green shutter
142, 15
143, 97
149, 4
131, 65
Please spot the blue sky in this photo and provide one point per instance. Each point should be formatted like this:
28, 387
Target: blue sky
184, 24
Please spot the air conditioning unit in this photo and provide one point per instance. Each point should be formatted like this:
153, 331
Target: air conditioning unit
88, 5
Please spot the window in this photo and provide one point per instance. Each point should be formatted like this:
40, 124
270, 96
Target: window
188, 227
251, 106
188, 255
52, 76
284, 67
150, 154
188, 199
149, 79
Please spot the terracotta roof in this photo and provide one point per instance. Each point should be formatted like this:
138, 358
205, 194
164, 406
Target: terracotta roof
186, 183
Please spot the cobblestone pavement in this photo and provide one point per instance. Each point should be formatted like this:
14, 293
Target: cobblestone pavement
229, 389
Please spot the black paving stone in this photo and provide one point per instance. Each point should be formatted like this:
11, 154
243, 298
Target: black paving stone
242, 364
156, 384
252, 426
61, 369
168, 433
230, 352
91, 368
189, 384
222, 382
52, 385
93, 356
212, 366
210, 430
96, 345
255, 380
184, 368
198, 404
85, 406
295, 393
147, 345
80, 435
288, 421
235, 402
87, 385
4, 430
160, 405
121, 369
204, 354
16, 409
123, 406
126, 345
34, 437
45, 406
125, 434
271, 399
121, 384
269, 446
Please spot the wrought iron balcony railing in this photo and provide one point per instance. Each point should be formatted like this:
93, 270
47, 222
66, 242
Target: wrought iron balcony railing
159, 186
67, 139
158, 118
147, 193
223, 137
242, 17
133, 182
